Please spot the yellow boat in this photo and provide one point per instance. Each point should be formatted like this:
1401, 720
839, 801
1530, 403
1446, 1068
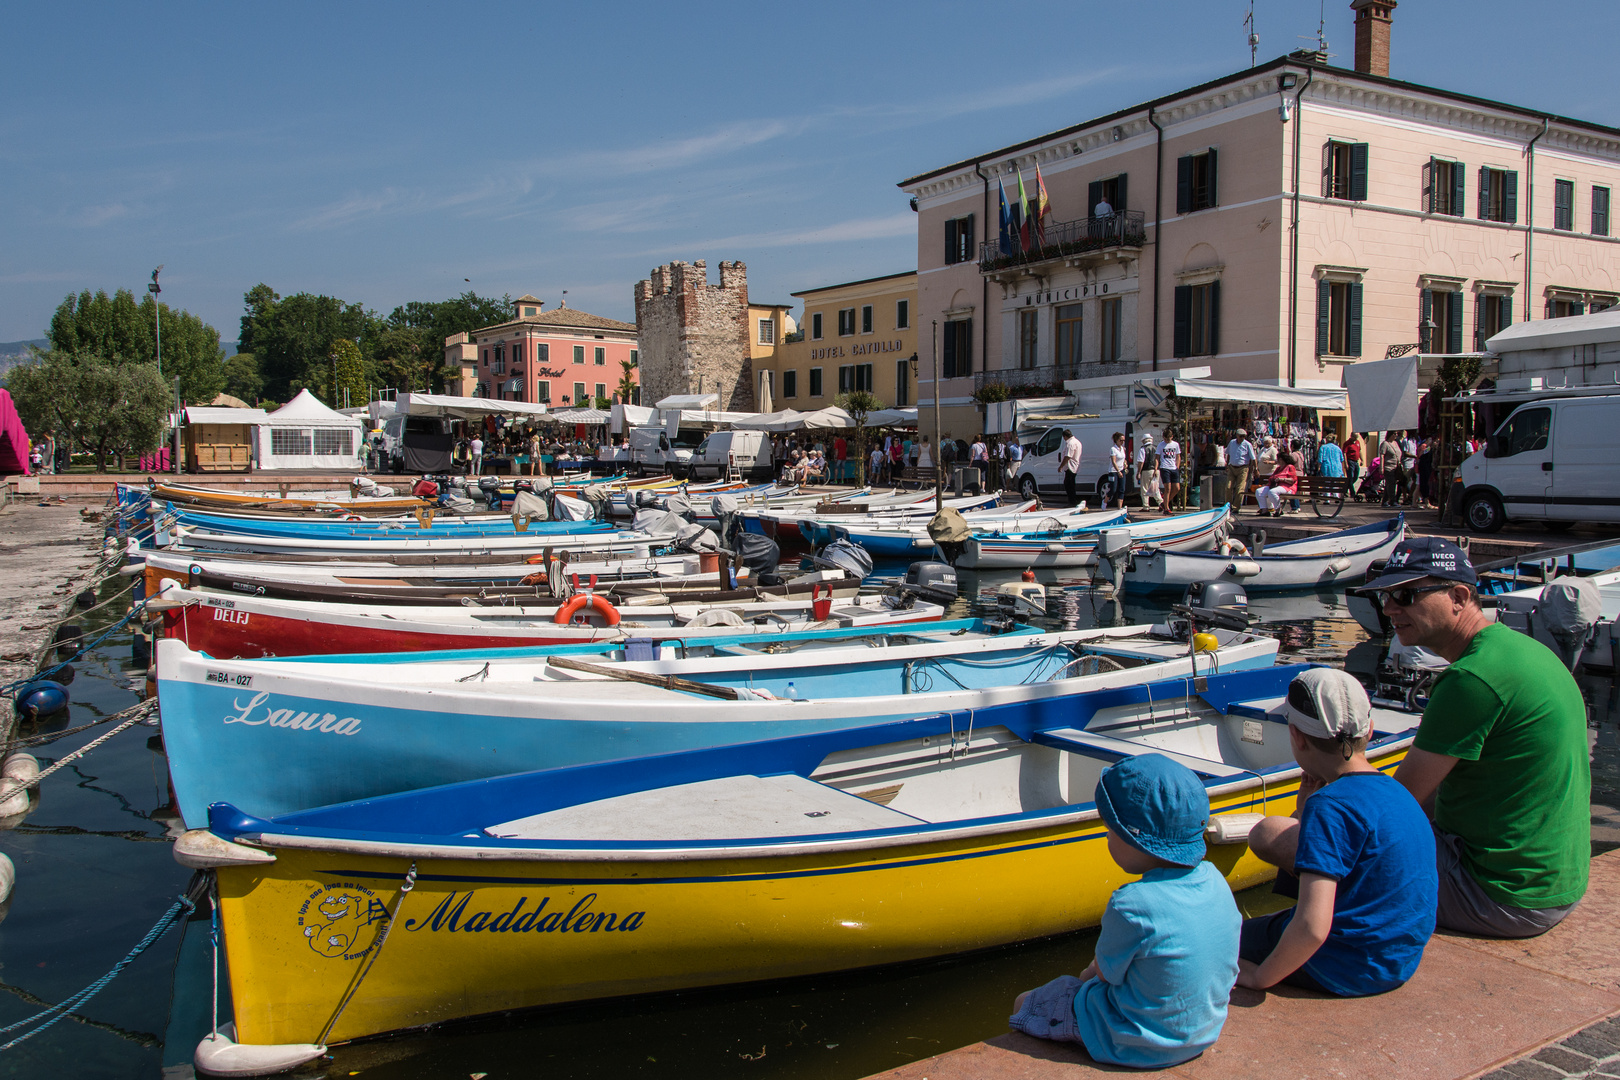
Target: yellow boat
846, 849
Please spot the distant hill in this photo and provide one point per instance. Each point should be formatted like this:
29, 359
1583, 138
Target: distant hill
13, 353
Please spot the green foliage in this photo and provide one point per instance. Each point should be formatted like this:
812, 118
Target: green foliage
991, 392
95, 405
410, 342
859, 404
627, 381
242, 378
1457, 373
291, 338
121, 331
602, 403
349, 369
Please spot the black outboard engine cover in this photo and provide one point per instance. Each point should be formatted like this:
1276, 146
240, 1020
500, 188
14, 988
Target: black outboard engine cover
759, 553
1222, 604
935, 581
845, 555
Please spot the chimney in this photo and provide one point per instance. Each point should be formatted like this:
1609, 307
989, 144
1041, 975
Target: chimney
1372, 35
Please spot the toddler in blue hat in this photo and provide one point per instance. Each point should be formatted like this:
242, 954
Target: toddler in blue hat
1166, 960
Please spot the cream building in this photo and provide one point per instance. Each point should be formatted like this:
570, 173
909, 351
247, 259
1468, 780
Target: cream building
1274, 225
860, 335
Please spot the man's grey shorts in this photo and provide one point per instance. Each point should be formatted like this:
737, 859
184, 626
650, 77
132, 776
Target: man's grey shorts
1466, 907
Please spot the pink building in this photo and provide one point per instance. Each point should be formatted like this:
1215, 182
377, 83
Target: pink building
561, 357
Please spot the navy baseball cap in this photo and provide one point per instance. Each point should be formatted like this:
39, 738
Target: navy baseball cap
1156, 805
1424, 557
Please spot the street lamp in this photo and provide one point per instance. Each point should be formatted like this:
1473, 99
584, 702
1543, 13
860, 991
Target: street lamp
157, 327
1426, 330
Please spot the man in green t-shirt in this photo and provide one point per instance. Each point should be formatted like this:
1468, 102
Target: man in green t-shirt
1500, 760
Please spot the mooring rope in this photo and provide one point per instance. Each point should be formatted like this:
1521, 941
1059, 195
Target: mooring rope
183, 905
133, 715
10, 689
371, 956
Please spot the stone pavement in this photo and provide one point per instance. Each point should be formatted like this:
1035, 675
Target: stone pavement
47, 553
1525, 1010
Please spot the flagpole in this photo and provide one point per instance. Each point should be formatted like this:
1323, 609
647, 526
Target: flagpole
939, 486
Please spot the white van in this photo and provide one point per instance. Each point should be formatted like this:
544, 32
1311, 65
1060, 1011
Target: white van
748, 451
1553, 459
652, 451
1039, 474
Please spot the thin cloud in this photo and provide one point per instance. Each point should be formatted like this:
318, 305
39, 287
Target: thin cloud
878, 228
92, 216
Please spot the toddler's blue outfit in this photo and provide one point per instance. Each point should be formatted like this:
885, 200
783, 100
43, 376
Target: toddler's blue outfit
1167, 952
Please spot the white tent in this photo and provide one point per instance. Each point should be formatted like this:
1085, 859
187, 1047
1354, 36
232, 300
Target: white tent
1260, 393
305, 434
688, 401
786, 420
891, 418
465, 408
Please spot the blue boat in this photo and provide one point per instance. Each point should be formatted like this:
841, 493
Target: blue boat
276, 735
338, 528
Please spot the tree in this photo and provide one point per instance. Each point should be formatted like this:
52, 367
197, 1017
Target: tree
859, 404
410, 346
119, 330
93, 404
291, 337
350, 372
627, 381
242, 378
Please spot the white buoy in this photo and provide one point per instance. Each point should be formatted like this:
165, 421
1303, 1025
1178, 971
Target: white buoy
8, 878
219, 1054
1231, 828
15, 774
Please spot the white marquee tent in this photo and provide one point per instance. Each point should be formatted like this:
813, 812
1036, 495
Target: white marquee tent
305, 434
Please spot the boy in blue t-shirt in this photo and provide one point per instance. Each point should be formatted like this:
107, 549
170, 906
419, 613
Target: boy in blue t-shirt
1361, 848
1166, 957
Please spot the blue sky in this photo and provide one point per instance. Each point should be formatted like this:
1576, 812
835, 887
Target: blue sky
385, 152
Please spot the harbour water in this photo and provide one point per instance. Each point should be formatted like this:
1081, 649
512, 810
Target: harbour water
94, 873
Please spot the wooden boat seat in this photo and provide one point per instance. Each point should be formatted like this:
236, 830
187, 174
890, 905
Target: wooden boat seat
1074, 739
727, 808
1260, 709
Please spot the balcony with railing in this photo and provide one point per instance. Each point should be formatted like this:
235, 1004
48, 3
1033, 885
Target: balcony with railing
1081, 241
1047, 379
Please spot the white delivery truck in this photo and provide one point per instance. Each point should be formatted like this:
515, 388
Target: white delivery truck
749, 452
652, 451
1553, 458
1039, 474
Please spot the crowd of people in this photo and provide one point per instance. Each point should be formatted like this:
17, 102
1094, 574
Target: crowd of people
1483, 830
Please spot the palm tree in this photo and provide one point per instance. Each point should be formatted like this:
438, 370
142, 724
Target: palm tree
627, 384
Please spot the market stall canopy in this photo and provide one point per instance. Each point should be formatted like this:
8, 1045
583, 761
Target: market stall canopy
827, 419
1261, 393
688, 401
305, 434
207, 414
785, 420
1599, 328
307, 410
464, 408
580, 416
891, 418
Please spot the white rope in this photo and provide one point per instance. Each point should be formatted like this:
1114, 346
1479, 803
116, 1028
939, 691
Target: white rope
135, 714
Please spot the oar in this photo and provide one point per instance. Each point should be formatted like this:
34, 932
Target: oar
668, 682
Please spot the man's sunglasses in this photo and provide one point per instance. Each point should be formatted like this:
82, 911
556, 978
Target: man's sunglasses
1407, 596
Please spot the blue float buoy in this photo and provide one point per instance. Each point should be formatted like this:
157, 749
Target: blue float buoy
40, 699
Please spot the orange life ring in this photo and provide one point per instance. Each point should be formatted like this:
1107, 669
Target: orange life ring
354, 517
565, 613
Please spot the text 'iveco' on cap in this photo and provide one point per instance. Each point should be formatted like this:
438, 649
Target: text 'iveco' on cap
1424, 557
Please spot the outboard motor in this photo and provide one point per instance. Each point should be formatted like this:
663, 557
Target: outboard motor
727, 521
933, 581
1566, 617
680, 504
490, 487
1365, 609
1222, 604
845, 555
948, 529
762, 557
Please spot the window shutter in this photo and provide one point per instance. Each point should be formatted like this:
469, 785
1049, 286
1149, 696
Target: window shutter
1093, 195
1213, 199
1324, 320
1505, 317
1352, 335
1510, 196
1484, 194
1182, 344
1119, 194
1184, 171
1425, 313
1454, 334
1358, 171
1428, 187
1577, 308
1214, 317
1480, 304
1459, 176
964, 352
950, 242
965, 237
947, 359
1563, 197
